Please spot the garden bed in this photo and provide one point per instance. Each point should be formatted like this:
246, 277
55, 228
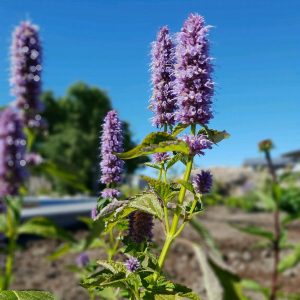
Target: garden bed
243, 253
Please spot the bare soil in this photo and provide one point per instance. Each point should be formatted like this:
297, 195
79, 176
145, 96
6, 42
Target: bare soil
243, 253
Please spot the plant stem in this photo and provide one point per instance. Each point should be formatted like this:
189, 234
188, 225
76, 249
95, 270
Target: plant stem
173, 231
9, 263
171, 234
277, 229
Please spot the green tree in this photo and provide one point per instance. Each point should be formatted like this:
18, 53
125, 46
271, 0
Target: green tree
74, 126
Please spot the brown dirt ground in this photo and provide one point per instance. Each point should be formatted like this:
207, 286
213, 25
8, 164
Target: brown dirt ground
243, 253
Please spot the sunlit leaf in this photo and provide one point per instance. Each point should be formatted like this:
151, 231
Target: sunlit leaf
156, 142
26, 295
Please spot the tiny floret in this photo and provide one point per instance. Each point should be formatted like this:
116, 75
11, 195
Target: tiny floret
197, 143
160, 157
202, 182
110, 193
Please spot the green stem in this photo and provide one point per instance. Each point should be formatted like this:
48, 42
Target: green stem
172, 233
9, 263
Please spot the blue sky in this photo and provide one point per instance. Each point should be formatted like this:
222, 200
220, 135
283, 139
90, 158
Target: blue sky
256, 45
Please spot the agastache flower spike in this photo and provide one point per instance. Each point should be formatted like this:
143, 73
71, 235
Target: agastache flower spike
194, 86
12, 153
26, 67
111, 142
140, 226
163, 101
202, 182
132, 264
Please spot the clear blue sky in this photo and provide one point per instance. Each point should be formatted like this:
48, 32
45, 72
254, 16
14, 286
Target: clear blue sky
107, 43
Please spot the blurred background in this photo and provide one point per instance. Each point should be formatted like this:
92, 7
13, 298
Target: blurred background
96, 57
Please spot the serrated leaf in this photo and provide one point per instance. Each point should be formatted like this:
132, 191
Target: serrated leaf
156, 142
177, 157
179, 128
112, 266
147, 203
152, 165
25, 295
165, 191
215, 136
255, 231
187, 185
290, 260
46, 228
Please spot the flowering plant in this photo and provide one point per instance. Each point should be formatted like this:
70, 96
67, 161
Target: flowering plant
181, 101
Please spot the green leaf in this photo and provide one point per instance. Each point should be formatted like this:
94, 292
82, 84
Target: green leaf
177, 157
290, 260
25, 295
147, 203
156, 142
215, 136
255, 286
152, 165
61, 251
205, 234
255, 231
46, 228
112, 266
187, 185
179, 128
267, 201
165, 191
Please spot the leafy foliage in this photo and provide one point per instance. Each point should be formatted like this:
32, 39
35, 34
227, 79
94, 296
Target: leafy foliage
156, 142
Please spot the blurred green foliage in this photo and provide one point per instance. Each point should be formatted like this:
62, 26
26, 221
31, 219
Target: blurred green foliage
72, 142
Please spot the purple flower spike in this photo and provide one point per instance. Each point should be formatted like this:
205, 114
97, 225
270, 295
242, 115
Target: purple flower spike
110, 193
197, 143
12, 153
194, 86
202, 182
111, 142
160, 157
163, 101
26, 68
132, 264
82, 260
140, 226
